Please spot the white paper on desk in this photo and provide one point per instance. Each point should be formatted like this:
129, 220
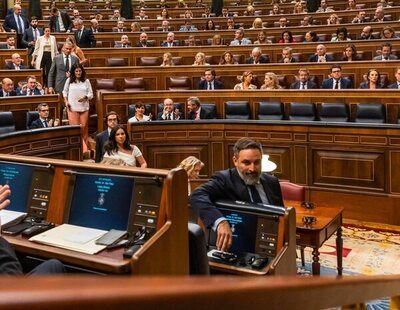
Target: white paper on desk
9, 218
72, 237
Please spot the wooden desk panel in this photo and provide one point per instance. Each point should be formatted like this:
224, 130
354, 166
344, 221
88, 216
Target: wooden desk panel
292, 148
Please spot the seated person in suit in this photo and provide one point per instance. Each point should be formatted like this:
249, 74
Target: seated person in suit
169, 113
9, 263
361, 17
386, 53
303, 80
112, 120
239, 38
16, 63
397, 84
366, 33
95, 26
31, 88
10, 43
170, 40
209, 82
120, 27
380, 15
320, 55
124, 43
287, 55
143, 40
230, 24
196, 112
188, 26
7, 88
256, 57
373, 80
244, 182
336, 81
43, 121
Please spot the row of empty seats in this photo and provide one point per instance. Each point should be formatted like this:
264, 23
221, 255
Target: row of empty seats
7, 122
296, 111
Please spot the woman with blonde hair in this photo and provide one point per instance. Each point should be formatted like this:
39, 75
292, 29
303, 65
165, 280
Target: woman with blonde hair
167, 60
192, 165
271, 81
257, 24
246, 79
216, 40
76, 50
200, 60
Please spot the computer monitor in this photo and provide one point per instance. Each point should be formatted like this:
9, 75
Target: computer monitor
254, 227
101, 201
19, 178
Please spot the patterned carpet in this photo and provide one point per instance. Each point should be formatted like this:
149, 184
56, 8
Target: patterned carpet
366, 252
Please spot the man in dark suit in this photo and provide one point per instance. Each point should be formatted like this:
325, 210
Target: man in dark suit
209, 82
7, 88
30, 36
124, 43
169, 112
386, 53
256, 57
245, 183
170, 40
112, 120
43, 121
336, 81
380, 16
397, 84
16, 23
10, 43
9, 263
31, 88
303, 82
95, 26
60, 67
83, 36
287, 56
143, 40
15, 63
10, 11
60, 21
320, 55
196, 112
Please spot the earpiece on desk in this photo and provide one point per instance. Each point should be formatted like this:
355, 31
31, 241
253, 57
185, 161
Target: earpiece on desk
132, 250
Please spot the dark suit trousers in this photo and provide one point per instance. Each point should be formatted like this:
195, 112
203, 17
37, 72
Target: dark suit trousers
45, 65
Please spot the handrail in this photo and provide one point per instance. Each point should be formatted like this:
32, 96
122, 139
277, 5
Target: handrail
226, 292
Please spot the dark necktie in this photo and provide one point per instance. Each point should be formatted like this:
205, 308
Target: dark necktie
80, 35
34, 34
398, 85
240, 42
45, 123
255, 196
209, 86
31, 92
302, 86
20, 28
336, 84
57, 24
67, 63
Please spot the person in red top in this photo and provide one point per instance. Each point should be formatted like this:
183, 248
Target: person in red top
287, 37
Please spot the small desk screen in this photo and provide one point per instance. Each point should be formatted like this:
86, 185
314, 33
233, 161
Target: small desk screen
244, 230
19, 178
101, 201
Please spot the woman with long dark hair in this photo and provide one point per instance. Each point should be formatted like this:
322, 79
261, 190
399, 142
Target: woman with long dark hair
77, 93
119, 147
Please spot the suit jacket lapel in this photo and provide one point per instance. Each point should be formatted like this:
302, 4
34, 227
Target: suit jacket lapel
240, 186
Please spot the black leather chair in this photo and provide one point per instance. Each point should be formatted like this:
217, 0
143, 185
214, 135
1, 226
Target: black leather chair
370, 113
30, 117
134, 84
179, 83
270, 110
131, 110
237, 110
334, 112
302, 111
211, 108
6, 122
116, 62
177, 105
198, 260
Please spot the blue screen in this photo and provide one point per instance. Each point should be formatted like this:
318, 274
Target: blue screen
102, 202
19, 178
244, 230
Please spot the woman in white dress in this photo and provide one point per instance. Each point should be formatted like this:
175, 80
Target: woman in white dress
44, 53
118, 147
77, 93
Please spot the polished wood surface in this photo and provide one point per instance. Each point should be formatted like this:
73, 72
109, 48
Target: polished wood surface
328, 221
359, 162
166, 252
276, 293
